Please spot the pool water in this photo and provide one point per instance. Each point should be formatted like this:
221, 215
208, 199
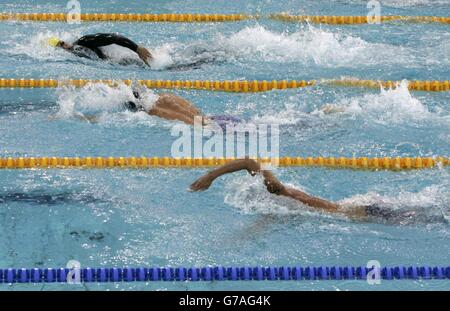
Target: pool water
148, 218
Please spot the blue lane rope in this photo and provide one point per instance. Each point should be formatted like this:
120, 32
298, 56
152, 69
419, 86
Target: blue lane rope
297, 273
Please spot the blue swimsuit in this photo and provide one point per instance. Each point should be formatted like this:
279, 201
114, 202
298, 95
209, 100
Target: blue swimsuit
224, 120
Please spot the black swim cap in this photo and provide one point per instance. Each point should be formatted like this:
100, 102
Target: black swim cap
131, 106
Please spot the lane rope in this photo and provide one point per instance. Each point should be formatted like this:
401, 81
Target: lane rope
239, 86
351, 20
186, 18
413, 85
213, 85
385, 163
219, 273
125, 17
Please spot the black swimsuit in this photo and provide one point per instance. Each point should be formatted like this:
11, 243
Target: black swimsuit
84, 46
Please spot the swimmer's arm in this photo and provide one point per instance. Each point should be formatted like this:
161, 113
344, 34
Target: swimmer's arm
276, 187
99, 53
357, 212
312, 201
273, 185
206, 180
170, 115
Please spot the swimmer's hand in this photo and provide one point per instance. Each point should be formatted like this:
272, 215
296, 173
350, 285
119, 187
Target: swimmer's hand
331, 108
144, 54
272, 184
202, 183
252, 166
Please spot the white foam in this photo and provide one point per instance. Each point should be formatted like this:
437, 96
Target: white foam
98, 99
249, 195
430, 204
116, 53
309, 45
162, 57
409, 3
37, 46
426, 206
428, 196
289, 115
389, 106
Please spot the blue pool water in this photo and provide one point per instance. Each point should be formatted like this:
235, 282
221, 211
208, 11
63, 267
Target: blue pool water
148, 218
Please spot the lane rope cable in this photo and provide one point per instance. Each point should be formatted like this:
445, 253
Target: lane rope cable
186, 18
351, 20
240, 86
219, 273
384, 163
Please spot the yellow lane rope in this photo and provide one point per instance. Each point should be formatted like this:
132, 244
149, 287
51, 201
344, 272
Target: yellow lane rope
350, 20
243, 86
227, 86
127, 17
186, 18
152, 162
414, 85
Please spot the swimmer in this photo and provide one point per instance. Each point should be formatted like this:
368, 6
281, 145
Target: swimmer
90, 45
274, 186
173, 107
166, 106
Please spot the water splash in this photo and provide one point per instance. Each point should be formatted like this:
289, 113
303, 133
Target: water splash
310, 44
37, 46
409, 3
120, 55
389, 106
249, 195
162, 57
289, 115
430, 205
98, 99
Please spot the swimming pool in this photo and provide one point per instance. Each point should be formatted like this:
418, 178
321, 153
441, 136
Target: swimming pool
148, 218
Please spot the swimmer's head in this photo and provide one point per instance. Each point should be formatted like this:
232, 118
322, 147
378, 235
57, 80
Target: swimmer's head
133, 106
56, 43
53, 41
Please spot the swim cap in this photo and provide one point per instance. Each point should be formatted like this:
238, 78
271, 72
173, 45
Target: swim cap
53, 41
